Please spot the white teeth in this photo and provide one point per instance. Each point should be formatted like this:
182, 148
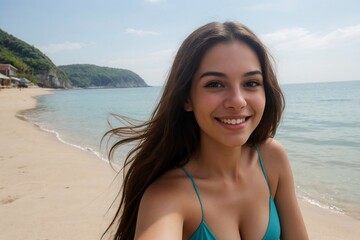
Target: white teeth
232, 121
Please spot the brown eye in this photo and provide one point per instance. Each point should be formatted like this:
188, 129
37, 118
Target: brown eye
214, 85
252, 84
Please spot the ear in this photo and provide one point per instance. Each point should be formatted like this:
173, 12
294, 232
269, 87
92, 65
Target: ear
188, 105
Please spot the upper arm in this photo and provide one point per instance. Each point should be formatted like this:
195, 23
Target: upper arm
292, 224
159, 215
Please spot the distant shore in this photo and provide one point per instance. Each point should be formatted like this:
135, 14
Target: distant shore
49, 190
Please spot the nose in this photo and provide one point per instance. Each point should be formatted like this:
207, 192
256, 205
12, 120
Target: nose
235, 99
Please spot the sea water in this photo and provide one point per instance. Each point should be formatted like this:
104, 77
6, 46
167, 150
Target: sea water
320, 131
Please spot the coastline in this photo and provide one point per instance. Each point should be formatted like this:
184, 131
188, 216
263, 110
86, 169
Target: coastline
50, 190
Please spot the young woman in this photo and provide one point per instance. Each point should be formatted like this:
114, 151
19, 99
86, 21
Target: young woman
205, 165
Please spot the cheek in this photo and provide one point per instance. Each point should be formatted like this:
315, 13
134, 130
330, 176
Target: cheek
203, 102
258, 103
204, 107
262, 103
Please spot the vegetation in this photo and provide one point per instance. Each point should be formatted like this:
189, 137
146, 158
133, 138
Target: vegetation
38, 68
29, 60
28, 77
87, 75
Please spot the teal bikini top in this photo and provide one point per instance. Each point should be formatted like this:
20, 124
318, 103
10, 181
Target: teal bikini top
203, 232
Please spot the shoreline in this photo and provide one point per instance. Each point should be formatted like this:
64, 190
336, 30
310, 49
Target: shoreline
52, 190
58, 137
48, 190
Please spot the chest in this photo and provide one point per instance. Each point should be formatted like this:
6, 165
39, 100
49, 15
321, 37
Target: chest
232, 211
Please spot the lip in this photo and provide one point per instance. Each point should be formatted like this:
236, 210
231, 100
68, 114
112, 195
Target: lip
233, 122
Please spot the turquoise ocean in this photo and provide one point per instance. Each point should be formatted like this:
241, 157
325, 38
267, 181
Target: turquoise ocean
320, 131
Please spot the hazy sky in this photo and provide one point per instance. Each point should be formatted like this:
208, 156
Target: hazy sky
311, 41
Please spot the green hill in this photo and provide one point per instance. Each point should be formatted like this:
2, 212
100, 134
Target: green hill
87, 75
31, 62
37, 67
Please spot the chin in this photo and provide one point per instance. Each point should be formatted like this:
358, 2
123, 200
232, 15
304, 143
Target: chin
236, 143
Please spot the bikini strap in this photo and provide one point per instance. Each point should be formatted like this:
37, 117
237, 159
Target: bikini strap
262, 167
196, 190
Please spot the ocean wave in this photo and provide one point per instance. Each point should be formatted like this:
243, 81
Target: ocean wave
336, 100
58, 136
305, 196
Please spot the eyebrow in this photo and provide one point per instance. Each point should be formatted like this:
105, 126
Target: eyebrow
256, 72
220, 74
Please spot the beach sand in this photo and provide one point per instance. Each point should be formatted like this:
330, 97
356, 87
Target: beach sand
50, 190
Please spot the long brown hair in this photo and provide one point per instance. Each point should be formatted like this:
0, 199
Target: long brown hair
171, 135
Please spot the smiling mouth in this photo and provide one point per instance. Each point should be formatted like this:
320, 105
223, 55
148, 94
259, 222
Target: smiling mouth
232, 121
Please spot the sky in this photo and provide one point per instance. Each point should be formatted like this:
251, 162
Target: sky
310, 40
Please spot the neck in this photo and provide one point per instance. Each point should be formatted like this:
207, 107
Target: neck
216, 160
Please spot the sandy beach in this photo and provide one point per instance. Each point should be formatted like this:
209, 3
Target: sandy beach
50, 190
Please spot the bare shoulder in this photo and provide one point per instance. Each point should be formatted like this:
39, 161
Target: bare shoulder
162, 208
167, 189
276, 163
274, 152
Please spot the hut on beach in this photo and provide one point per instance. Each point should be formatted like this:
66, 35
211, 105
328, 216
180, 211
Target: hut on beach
8, 70
8, 75
4, 81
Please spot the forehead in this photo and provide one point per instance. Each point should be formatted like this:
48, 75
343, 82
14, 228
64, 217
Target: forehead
230, 56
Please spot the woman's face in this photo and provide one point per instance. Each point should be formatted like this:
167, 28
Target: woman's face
227, 94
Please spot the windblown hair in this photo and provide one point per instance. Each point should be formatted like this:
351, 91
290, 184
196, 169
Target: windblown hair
171, 135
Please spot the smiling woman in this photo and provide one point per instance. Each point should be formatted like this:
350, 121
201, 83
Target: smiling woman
205, 165
227, 94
